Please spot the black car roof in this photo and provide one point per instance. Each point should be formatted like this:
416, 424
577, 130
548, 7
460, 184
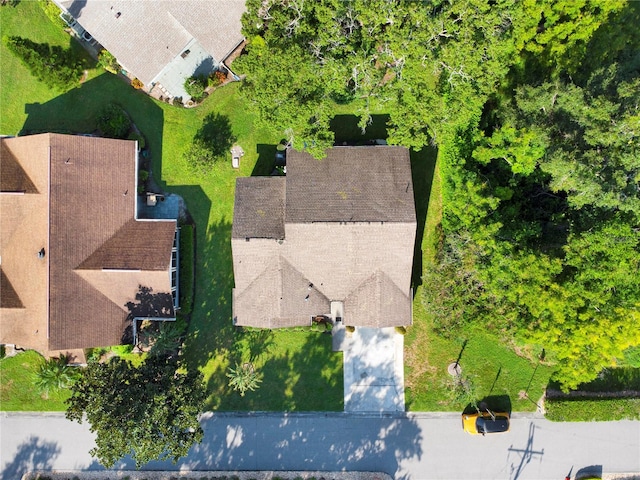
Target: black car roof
488, 425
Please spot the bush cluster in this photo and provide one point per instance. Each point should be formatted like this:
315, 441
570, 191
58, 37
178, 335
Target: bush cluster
51, 64
592, 410
114, 122
107, 61
195, 87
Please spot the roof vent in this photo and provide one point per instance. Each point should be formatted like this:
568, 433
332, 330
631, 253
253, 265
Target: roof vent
41, 253
118, 14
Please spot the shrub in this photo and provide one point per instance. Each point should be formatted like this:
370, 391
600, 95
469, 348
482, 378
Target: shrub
598, 410
122, 349
142, 143
350, 328
216, 78
52, 11
143, 176
177, 102
51, 64
107, 61
401, 330
195, 87
114, 122
137, 84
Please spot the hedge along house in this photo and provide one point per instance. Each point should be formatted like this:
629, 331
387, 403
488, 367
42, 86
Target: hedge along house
77, 266
333, 239
160, 42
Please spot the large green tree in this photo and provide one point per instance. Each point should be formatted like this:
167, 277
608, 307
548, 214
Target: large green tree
533, 106
149, 411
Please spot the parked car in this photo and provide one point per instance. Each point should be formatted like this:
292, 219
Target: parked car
486, 421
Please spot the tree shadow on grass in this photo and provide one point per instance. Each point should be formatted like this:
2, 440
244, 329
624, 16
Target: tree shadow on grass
347, 131
423, 165
306, 375
34, 454
211, 330
216, 134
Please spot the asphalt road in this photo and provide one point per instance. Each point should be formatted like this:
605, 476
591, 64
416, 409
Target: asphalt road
412, 446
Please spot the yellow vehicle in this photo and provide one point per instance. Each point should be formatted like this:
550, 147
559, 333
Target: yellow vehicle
483, 422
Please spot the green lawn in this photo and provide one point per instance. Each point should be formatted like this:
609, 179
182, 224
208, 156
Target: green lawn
299, 370
17, 391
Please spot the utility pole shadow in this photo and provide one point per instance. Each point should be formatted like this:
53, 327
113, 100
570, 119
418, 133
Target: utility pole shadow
526, 454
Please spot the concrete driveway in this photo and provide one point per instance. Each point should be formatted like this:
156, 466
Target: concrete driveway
373, 370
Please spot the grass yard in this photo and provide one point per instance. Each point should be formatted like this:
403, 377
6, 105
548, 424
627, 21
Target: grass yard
17, 391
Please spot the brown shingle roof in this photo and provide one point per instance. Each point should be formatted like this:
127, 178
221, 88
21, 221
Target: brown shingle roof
97, 255
137, 245
24, 233
351, 184
13, 178
259, 208
357, 249
9, 297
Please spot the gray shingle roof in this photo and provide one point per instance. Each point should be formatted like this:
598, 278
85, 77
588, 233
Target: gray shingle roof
146, 35
259, 208
357, 249
351, 184
280, 296
378, 302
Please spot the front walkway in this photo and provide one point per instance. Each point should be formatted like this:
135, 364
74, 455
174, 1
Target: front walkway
373, 370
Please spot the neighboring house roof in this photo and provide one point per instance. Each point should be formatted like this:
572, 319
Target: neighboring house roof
349, 229
146, 36
98, 264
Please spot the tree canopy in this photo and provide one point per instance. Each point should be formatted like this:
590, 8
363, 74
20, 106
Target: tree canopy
149, 412
533, 106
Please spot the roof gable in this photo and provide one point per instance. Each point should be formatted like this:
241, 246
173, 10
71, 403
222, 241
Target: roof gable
13, 178
280, 296
378, 302
9, 297
137, 245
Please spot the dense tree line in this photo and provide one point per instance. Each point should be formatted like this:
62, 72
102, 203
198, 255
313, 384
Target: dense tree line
534, 106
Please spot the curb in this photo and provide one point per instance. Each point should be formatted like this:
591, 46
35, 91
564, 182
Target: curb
202, 475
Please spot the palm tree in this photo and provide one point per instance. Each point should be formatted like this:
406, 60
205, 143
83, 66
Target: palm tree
243, 378
54, 374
